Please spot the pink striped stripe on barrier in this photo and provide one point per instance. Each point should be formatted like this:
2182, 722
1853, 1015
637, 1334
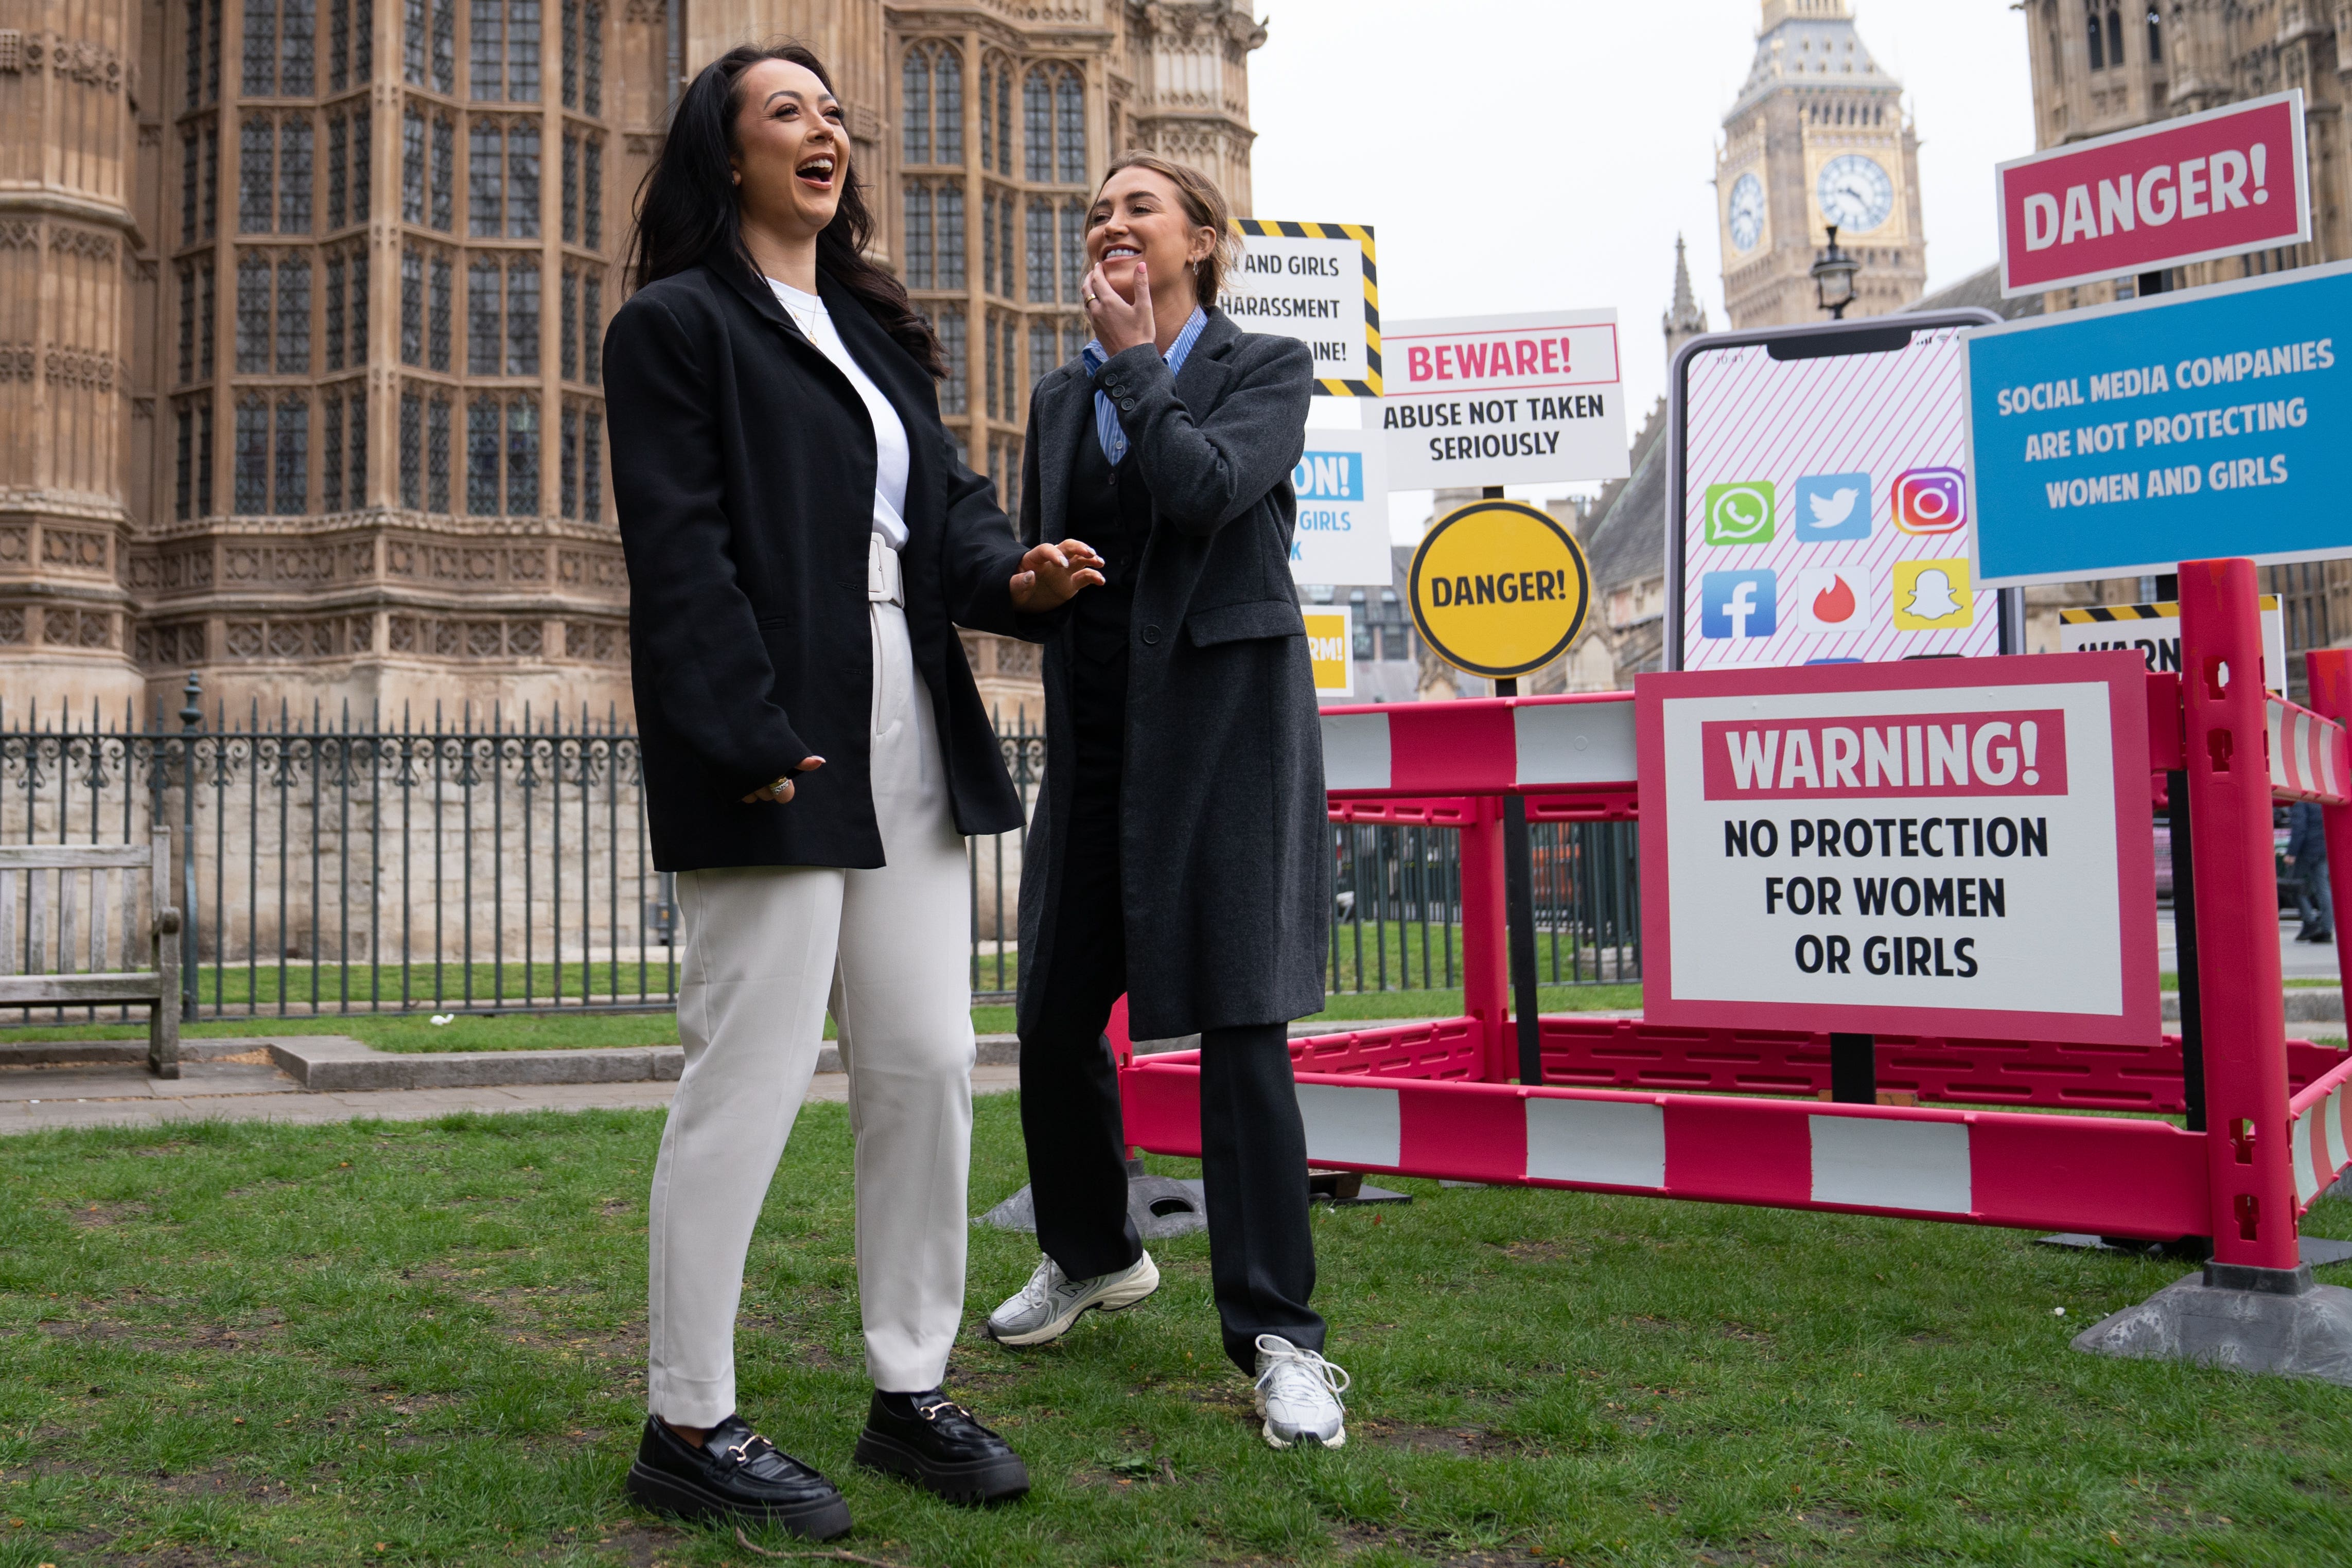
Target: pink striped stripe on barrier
2108, 1175
2307, 755
2320, 1119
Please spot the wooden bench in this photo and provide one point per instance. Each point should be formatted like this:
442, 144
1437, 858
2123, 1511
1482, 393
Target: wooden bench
67, 911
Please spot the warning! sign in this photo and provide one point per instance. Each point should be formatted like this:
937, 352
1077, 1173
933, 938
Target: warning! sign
1914, 848
1498, 588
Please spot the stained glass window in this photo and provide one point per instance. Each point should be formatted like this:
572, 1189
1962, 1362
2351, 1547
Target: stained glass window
570, 189
187, 322
1041, 255
592, 194
252, 457
291, 479
522, 318
253, 315
331, 454
592, 329
293, 355
522, 458
437, 455
592, 465
947, 218
256, 158
955, 395
1037, 124
412, 309
261, 51
334, 326
485, 184
298, 69
412, 167
440, 307
522, 183
444, 174
482, 316
412, 450
568, 328
294, 175
482, 457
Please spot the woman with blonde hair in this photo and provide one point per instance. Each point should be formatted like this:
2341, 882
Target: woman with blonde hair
1179, 851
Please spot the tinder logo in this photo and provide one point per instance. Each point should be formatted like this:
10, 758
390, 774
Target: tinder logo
1832, 599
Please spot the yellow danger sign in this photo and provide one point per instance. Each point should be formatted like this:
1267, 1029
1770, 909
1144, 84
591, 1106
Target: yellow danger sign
1499, 588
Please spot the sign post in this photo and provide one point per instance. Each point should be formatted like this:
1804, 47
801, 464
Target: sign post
2165, 195
1500, 589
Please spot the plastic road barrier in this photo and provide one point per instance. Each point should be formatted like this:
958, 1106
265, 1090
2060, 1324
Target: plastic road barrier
1737, 1115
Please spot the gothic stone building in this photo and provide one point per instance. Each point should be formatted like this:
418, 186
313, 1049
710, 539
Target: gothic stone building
301, 304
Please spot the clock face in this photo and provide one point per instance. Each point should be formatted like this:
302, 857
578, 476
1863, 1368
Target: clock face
1746, 211
1856, 193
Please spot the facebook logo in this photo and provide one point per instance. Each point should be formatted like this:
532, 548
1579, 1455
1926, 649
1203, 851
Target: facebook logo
1330, 477
1738, 604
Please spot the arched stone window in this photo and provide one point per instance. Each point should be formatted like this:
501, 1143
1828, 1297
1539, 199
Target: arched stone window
931, 84
1054, 125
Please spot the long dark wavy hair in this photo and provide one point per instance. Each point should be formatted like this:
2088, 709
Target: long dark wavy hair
687, 213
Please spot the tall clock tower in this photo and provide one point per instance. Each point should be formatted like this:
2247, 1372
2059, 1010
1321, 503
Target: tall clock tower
1817, 137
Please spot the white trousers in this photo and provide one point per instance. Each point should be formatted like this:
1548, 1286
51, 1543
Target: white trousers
766, 949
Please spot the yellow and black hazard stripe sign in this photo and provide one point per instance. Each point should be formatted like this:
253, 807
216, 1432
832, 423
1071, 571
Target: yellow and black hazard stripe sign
1362, 235
2163, 609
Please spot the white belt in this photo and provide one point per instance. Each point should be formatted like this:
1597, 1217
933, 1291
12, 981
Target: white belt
884, 584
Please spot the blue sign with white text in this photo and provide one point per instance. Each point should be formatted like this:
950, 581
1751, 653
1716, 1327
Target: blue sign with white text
2126, 439
1330, 477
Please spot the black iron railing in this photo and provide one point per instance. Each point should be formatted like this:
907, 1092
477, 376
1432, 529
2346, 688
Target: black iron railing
495, 863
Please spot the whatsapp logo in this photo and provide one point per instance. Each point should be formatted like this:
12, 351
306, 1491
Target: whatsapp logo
1739, 513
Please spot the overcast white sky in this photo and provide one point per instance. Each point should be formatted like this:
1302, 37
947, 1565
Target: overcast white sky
1542, 154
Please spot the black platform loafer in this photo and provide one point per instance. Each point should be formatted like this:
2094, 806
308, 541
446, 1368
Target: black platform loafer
735, 1475
934, 1442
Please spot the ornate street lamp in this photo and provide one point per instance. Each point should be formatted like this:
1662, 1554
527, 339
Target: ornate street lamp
1834, 272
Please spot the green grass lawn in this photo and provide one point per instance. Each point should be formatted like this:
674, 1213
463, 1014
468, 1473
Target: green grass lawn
416, 1031
423, 1343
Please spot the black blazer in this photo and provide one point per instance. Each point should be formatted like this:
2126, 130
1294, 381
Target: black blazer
743, 467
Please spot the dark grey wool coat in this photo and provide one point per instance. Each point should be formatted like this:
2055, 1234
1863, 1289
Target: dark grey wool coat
1224, 839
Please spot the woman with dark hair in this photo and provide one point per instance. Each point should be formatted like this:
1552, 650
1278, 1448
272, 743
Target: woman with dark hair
802, 537
1179, 851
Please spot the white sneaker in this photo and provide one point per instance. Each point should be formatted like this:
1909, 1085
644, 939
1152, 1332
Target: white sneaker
1298, 1394
1046, 1307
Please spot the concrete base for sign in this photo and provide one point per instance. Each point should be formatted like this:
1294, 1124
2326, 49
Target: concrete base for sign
2318, 1251
2247, 1319
1167, 1205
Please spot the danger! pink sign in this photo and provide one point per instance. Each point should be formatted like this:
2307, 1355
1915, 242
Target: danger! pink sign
2219, 183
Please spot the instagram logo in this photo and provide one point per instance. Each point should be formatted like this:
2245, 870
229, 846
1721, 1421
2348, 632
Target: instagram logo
1931, 501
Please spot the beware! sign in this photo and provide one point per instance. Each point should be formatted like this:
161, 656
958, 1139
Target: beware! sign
2164, 194
1933, 847
1502, 400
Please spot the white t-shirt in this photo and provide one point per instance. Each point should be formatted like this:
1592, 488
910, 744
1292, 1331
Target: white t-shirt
889, 434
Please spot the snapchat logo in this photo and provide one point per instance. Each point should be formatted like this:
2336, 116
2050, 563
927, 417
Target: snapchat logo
1933, 596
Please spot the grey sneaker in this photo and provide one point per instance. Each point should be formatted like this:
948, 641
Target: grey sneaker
1046, 1307
1298, 1394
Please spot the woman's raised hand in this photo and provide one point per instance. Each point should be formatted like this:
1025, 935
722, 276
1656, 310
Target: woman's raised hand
1119, 323
1051, 574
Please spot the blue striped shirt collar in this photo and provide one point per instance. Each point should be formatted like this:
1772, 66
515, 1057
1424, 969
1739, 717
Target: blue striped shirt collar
1107, 426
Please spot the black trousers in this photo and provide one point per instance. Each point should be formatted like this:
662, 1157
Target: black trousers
1253, 1142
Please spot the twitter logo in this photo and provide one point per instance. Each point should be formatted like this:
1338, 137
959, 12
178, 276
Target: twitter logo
1832, 507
